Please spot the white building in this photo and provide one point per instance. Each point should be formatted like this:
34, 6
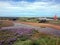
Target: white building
44, 19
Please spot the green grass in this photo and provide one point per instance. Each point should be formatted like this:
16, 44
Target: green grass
42, 40
27, 42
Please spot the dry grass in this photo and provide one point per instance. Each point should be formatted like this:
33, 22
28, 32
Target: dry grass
5, 23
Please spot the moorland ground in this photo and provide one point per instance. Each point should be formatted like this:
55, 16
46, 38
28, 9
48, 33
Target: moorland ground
19, 36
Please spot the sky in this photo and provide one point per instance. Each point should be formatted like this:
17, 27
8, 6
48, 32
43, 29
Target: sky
29, 8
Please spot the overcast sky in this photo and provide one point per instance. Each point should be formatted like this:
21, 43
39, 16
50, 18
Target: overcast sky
29, 8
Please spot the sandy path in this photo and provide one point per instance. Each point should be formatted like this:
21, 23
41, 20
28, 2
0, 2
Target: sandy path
42, 25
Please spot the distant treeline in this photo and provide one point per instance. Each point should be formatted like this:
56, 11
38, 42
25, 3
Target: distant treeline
16, 18
9, 18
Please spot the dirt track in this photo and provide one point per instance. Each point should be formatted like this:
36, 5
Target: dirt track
42, 25
36, 26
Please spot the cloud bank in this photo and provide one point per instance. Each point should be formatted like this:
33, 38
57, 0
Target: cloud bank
29, 8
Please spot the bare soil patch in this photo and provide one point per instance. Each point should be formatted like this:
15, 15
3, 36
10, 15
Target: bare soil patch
42, 25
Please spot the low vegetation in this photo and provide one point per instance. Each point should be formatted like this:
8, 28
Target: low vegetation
5, 23
26, 19
36, 20
28, 36
42, 39
57, 22
7, 37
